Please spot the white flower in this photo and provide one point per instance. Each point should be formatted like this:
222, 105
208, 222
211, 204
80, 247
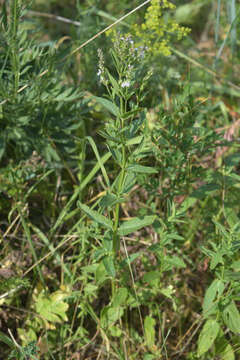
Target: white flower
125, 83
99, 72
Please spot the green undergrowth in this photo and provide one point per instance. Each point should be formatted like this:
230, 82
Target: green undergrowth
119, 181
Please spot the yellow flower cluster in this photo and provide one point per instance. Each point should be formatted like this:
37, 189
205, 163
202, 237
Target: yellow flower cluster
154, 32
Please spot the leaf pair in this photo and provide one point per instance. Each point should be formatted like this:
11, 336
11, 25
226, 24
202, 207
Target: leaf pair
126, 228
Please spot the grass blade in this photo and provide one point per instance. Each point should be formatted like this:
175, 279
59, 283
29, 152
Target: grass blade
94, 147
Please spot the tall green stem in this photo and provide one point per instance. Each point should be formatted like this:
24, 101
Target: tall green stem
116, 242
117, 208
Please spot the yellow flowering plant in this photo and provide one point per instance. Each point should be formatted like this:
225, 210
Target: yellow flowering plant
155, 32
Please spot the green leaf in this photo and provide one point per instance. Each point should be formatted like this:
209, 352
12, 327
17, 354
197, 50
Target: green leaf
67, 95
52, 308
6, 340
95, 216
108, 137
148, 356
186, 204
205, 190
222, 347
236, 265
228, 353
217, 258
231, 275
149, 329
109, 266
129, 182
107, 104
235, 245
116, 154
135, 125
213, 293
107, 241
101, 274
175, 261
142, 169
232, 160
114, 83
115, 331
207, 336
89, 269
129, 259
99, 254
231, 317
94, 147
231, 217
115, 56
108, 200
90, 289
151, 277
134, 141
120, 297
207, 252
109, 315
127, 227
4, 16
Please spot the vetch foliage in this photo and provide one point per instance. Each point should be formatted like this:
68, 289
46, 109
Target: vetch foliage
36, 110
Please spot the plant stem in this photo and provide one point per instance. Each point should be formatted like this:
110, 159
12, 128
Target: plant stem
117, 208
116, 242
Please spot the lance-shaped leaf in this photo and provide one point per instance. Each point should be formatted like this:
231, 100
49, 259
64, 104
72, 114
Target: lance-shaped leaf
142, 169
107, 104
207, 336
149, 327
127, 227
95, 216
109, 266
231, 317
94, 147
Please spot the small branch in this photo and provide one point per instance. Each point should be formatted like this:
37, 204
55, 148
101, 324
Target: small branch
10, 292
53, 17
14, 341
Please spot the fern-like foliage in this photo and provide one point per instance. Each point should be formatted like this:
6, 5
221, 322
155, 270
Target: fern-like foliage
37, 111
